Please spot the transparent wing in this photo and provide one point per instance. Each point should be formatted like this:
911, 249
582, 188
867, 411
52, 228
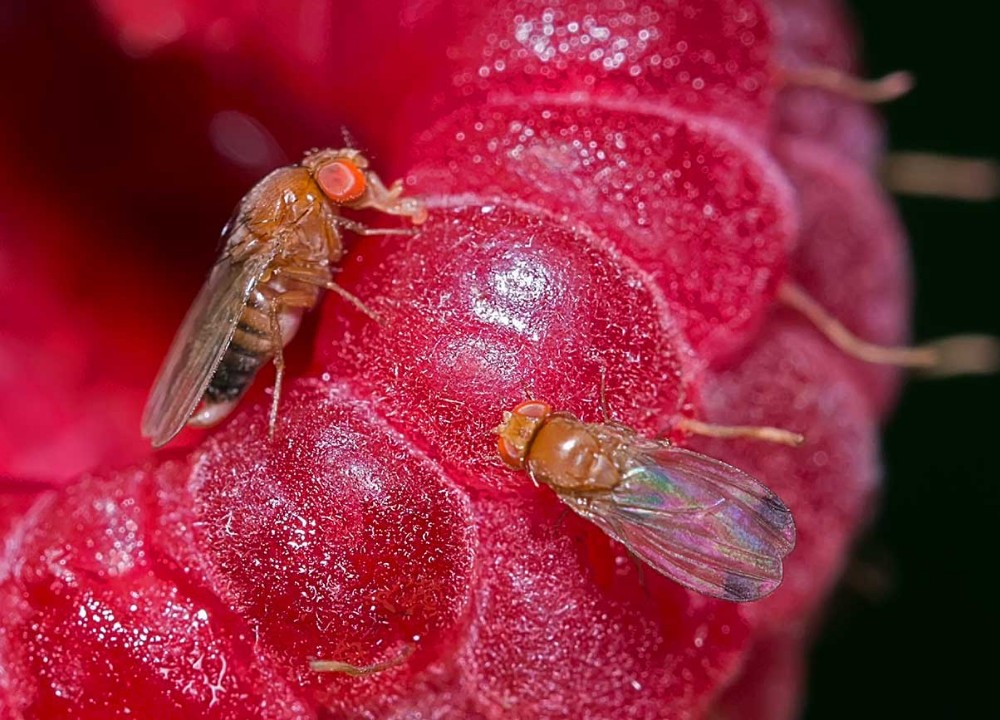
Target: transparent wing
199, 345
699, 521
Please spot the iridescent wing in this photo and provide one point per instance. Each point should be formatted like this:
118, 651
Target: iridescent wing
707, 525
199, 345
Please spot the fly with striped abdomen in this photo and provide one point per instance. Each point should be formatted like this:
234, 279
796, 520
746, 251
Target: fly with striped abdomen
277, 251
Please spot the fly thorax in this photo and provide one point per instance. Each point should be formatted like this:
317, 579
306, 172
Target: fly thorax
302, 248
567, 456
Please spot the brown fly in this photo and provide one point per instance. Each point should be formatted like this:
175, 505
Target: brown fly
703, 523
277, 252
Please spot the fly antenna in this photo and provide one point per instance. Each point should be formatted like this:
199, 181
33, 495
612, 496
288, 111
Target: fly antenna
350, 141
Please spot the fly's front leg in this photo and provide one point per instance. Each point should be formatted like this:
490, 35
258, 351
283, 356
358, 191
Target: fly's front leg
390, 200
291, 300
365, 231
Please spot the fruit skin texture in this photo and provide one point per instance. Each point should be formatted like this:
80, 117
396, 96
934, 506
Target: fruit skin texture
595, 221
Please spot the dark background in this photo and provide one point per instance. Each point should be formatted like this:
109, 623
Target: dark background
925, 645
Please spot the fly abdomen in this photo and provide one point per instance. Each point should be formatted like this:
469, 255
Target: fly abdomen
249, 349
237, 370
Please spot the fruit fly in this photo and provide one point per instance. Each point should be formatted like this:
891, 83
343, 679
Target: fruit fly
277, 250
701, 522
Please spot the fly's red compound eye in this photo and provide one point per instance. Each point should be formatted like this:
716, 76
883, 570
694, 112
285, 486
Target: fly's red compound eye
519, 429
534, 409
342, 180
509, 453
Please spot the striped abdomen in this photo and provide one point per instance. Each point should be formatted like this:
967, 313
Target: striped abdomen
252, 345
249, 349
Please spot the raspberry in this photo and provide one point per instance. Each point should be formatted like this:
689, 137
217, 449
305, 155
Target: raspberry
617, 193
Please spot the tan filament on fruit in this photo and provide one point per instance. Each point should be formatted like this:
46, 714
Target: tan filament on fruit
763, 433
942, 176
955, 355
359, 670
885, 89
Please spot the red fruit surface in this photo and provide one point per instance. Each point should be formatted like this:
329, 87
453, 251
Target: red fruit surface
616, 212
103, 627
367, 550
818, 33
568, 621
299, 68
793, 379
852, 245
707, 215
772, 684
488, 302
58, 361
711, 58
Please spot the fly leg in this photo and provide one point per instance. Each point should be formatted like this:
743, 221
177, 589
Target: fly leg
691, 426
322, 279
359, 229
279, 367
390, 200
290, 300
353, 299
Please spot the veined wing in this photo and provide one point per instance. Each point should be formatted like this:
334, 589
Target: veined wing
199, 345
707, 525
